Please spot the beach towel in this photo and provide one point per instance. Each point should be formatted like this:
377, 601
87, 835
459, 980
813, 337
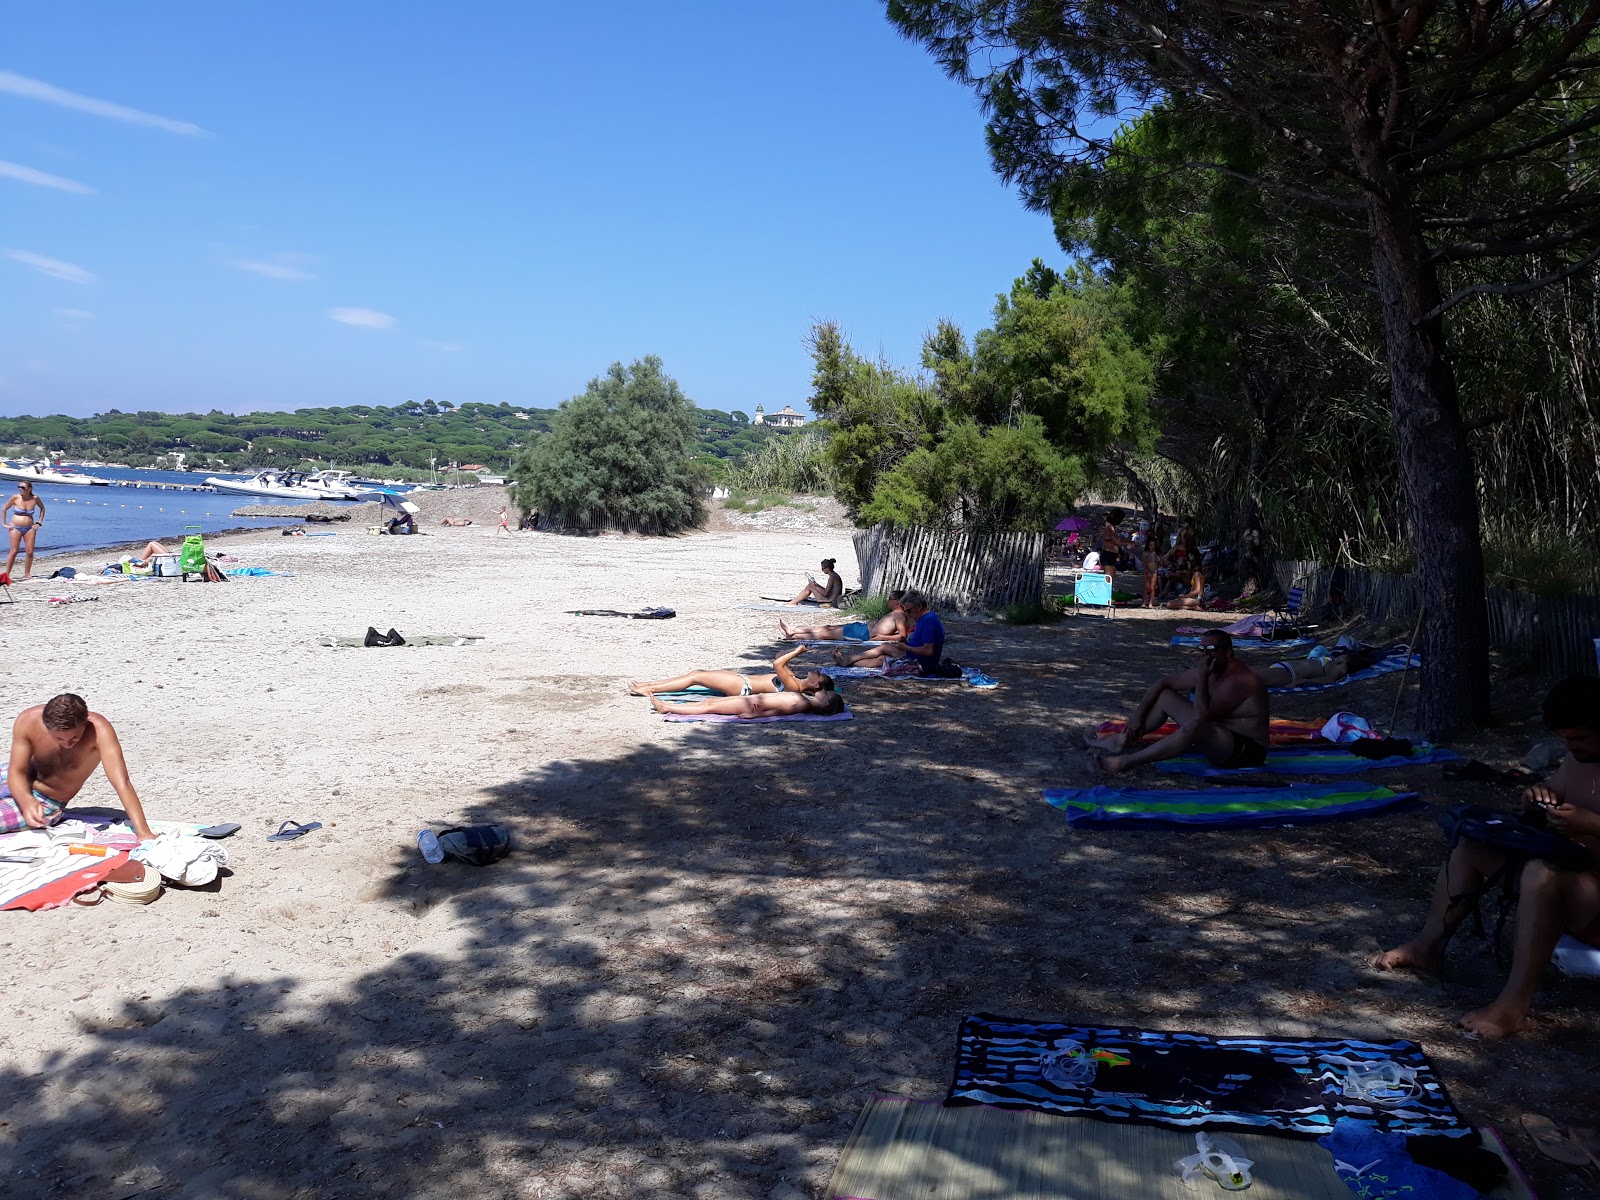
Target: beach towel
255, 573
971, 675
724, 719
1109, 807
1309, 760
1191, 1080
768, 604
412, 639
904, 1149
644, 614
54, 879
1284, 731
1249, 643
1396, 661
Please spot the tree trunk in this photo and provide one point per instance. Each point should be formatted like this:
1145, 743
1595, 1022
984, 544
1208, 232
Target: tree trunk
1436, 468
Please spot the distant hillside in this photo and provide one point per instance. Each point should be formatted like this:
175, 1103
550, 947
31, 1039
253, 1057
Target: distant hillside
358, 436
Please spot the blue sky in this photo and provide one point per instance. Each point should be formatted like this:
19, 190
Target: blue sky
274, 205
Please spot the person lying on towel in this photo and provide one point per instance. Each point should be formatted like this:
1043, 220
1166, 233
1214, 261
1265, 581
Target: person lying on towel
789, 695
1292, 672
735, 683
1552, 900
923, 646
1219, 706
55, 747
892, 626
826, 591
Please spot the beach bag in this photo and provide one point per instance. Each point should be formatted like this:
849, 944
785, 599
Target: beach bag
1515, 836
947, 670
192, 558
479, 845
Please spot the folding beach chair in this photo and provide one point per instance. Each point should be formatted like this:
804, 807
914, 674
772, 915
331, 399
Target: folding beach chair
1094, 591
5, 586
1290, 618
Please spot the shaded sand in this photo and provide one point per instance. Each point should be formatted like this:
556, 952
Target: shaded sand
712, 944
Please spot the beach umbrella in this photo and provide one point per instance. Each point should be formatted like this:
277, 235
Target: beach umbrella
1074, 525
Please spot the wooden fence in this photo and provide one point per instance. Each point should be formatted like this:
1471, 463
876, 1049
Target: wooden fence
1554, 634
956, 570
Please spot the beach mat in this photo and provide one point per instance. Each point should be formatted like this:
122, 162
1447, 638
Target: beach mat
1284, 732
1310, 760
418, 639
969, 675
1384, 666
724, 719
768, 604
54, 879
644, 614
1224, 808
1248, 643
914, 1149
1192, 1080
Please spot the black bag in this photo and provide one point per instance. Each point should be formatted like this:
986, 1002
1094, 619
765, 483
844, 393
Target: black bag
946, 670
1517, 836
479, 845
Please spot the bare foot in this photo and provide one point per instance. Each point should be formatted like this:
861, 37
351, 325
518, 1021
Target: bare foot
1413, 956
637, 688
1112, 743
1105, 764
838, 657
657, 703
1494, 1021
784, 625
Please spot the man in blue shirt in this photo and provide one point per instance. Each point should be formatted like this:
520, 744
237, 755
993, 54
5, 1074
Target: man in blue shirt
924, 645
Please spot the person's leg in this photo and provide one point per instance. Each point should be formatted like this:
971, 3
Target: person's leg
28, 540
872, 656
151, 549
811, 633
810, 592
1455, 893
726, 682
1549, 902
725, 706
1169, 706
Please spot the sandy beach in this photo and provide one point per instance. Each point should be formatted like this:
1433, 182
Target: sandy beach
711, 943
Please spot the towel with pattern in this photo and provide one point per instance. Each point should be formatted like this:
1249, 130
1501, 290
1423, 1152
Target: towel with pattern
1307, 760
1224, 808
725, 719
1284, 732
1249, 643
1191, 1080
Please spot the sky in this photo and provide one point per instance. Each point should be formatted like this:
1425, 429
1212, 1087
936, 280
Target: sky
273, 205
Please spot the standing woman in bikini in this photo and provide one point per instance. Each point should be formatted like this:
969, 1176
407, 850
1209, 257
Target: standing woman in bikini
23, 514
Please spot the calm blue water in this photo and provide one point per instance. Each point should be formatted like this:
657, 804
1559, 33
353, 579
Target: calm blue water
82, 518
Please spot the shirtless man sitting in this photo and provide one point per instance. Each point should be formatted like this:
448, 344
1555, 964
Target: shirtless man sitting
1551, 901
55, 747
892, 626
736, 683
1226, 720
785, 693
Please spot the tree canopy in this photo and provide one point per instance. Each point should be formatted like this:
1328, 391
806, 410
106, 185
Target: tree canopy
617, 457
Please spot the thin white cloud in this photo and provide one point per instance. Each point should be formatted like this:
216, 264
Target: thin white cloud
34, 89
285, 265
366, 318
75, 314
445, 347
52, 267
22, 174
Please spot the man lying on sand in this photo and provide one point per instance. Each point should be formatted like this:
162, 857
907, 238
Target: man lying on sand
891, 626
1551, 901
55, 747
924, 645
734, 683
1220, 708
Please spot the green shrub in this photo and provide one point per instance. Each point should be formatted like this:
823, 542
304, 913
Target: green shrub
871, 608
1030, 612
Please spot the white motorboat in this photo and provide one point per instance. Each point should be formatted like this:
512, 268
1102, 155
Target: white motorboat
336, 485
275, 485
40, 472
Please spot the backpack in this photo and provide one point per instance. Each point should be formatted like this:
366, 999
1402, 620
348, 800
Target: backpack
192, 557
479, 845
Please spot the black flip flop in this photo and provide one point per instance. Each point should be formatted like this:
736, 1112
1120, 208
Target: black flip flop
289, 830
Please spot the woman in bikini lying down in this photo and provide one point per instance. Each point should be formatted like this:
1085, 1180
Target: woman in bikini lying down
891, 626
737, 684
824, 702
1292, 672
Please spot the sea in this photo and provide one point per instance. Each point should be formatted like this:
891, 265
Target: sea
132, 509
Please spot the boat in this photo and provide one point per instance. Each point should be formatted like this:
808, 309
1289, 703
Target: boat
275, 485
41, 472
338, 485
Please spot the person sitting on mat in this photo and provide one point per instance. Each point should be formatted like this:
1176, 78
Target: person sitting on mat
1219, 706
782, 694
924, 645
734, 683
891, 626
1292, 672
403, 523
1551, 901
55, 747
1196, 592
822, 593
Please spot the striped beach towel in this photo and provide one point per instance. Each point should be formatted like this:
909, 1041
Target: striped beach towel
1224, 808
1384, 666
1284, 731
1249, 643
1307, 760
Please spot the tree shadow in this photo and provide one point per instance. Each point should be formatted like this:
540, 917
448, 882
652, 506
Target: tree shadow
708, 950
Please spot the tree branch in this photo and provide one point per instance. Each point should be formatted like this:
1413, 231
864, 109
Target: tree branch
1507, 289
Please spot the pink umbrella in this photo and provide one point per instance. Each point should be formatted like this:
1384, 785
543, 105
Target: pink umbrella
1074, 525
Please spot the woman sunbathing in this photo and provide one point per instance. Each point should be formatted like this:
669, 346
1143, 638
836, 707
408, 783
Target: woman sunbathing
1292, 672
824, 702
822, 593
737, 685
892, 626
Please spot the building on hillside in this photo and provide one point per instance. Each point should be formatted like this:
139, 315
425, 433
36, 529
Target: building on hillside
784, 418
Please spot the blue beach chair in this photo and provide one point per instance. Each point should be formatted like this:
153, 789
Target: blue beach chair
1094, 591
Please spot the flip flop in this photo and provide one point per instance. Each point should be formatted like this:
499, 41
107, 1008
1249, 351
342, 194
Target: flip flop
289, 830
1554, 1142
219, 831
